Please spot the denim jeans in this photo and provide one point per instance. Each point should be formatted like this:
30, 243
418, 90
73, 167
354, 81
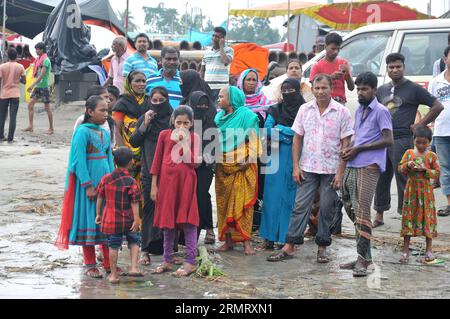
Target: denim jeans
442, 144
13, 108
304, 200
382, 201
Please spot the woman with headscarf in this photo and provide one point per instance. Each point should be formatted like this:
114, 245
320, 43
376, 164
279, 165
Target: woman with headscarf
237, 169
280, 188
191, 82
129, 108
149, 125
204, 112
255, 99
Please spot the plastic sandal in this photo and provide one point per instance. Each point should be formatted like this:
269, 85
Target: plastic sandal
280, 256
93, 273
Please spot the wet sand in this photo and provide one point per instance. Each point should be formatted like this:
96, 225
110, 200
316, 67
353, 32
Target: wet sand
31, 190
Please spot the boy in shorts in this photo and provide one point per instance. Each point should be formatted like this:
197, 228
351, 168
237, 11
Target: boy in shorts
119, 196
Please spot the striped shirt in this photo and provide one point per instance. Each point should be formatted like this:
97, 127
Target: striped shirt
217, 73
137, 62
172, 86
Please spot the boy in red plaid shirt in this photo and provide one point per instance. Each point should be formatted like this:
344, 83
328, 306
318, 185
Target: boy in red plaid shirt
119, 194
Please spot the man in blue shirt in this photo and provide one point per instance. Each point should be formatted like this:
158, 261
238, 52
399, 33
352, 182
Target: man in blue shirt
141, 60
168, 76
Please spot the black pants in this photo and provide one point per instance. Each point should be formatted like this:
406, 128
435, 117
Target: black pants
204, 180
152, 238
13, 104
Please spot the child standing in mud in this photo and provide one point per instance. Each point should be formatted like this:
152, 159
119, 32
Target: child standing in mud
120, 216
174, 184
90, 159
419, 211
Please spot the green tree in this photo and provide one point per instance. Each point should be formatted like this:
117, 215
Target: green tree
255, 30
161, 20
121, 15
209, 26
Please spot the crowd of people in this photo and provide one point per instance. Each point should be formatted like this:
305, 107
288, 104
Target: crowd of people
150, 143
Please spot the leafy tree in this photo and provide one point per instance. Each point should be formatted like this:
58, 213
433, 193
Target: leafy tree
162, 20
121, 15
209, 26
255, 30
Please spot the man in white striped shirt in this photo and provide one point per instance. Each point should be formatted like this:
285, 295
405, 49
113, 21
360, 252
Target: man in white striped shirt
216, 63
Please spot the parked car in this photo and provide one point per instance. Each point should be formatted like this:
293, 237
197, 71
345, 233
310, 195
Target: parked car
422, 42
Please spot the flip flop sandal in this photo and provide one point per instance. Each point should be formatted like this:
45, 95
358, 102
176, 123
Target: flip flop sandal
376, 224
182, 272
444, 212
322, 258
162, 268
348, 266
209, 239
93, 273
360, 272
280, 256
135, 274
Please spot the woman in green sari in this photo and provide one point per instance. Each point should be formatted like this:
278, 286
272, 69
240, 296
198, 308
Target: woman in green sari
236, 171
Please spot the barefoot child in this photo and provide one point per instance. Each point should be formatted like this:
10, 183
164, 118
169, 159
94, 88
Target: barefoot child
120, 213
174, 184
419, 211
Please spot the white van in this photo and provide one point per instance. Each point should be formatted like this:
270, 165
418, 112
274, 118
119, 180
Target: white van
422, 42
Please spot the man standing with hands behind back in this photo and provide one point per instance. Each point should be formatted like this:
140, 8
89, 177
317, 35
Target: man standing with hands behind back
216, 63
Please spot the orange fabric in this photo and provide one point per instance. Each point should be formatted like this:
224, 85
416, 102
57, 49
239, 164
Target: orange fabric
249, 55
119, 116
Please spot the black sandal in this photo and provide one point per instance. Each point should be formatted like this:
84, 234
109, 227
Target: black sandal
322, 257
444, 212
360, 272
282, 255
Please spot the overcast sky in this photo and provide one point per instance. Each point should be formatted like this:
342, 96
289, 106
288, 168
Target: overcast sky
217, 10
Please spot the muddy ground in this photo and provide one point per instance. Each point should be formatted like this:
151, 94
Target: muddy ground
31, 187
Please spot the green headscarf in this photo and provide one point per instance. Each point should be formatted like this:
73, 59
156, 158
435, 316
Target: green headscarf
241, 118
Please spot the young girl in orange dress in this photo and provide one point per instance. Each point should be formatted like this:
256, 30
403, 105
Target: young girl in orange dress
419, 210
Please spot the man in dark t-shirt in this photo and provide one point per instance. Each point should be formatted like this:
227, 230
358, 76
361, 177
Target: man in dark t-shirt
402, 97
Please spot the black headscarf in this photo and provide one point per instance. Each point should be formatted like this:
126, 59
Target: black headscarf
285, 112
192, 82
206, 115
161, 121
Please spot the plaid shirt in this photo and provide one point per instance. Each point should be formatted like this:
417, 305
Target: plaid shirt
119, 190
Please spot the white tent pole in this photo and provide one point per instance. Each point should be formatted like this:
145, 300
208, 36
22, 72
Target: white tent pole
4, 26
288, 26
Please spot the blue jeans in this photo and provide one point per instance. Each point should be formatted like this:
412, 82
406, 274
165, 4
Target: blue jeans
442, 144
115, 241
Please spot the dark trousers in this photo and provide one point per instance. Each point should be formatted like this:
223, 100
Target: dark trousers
304, 200
204, 180
13, 105
152, 237
382, 201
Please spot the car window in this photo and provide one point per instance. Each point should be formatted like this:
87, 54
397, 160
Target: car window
364, 52
421, 50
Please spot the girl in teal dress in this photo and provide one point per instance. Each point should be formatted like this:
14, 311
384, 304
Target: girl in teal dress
90, 159
279, 187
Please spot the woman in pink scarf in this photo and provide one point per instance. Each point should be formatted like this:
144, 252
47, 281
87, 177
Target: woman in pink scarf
255, 99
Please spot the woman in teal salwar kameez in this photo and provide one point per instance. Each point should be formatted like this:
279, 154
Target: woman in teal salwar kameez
279, 186
90, 159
